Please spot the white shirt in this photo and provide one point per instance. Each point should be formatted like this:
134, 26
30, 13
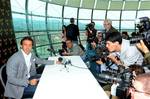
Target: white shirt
130, 54
27, 61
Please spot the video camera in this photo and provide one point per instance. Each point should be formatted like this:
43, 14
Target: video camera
101, 53
143, 25
91, 32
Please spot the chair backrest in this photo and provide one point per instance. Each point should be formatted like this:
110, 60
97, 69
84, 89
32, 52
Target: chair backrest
3, 75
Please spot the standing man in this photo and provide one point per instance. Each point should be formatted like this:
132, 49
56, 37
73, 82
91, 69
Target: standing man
108, 27
21, 71
72, 31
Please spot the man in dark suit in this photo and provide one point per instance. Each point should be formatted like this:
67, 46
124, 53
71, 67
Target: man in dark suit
72, 31
108, 27
21, 71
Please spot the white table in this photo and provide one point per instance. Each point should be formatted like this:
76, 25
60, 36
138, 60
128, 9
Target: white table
57, 83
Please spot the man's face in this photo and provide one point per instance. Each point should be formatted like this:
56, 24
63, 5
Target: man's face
69, 44
107, 25
111, 46
27, 46
137, 91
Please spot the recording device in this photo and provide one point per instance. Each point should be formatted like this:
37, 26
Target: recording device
101, 53
64, 61
91, 32
143, 25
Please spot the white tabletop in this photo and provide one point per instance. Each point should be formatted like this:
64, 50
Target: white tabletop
75, 83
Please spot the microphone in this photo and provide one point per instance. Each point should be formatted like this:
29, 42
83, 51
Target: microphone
64, 61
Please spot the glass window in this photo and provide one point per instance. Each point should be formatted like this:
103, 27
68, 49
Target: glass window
127, 24
115, 24
43, 52
21, 34
56, 38
19, 22
128, 14
70, 12
85, 14
36, 23
113, 15
54, 10
83, 23
41, 39
54, 24
143, 14
36, 7
99, 14
18, 5
99, 25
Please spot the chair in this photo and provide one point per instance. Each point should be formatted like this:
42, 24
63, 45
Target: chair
3, 80
3, 77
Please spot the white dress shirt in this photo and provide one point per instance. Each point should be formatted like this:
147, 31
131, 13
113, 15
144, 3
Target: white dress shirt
27, 61
130, 54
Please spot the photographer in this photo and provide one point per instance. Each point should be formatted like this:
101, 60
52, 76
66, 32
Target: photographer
145, 50
128, 54
91, 34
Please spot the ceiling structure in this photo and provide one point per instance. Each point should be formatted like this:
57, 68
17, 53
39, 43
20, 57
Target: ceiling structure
104, 4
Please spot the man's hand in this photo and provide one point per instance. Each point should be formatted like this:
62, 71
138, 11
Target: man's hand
99, 62
141, 46
114, 59
33, 81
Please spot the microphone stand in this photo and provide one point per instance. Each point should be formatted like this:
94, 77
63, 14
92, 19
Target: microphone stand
65, 67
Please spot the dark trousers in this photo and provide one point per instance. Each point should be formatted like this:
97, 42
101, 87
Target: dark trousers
30, 89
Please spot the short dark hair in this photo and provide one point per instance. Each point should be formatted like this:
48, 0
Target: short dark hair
26, 38
69, 39
72, 20
114, 37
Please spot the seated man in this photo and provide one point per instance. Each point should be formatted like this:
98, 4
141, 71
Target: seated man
140, 88
72, 49
21, 71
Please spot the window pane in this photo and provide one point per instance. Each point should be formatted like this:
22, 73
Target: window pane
83, 23
18, 5
36, 7
143, 14
99, 14
41, 39
85, 14
54, 10
19, 22
43, 52
70, 12
21, 34
115, 24
54, 24
128, 14
36, 23
99, 25
127, 24
113, 15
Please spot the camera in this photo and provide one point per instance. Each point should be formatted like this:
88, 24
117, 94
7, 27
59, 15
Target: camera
91, 32
101, 53
143, 25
